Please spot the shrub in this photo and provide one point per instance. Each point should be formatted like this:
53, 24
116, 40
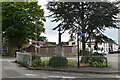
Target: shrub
34, 56
95, 60
98, 61
36, 63
58, 61
36, 60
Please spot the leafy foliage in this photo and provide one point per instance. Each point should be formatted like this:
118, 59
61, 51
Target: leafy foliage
58, 61
34, 56
84, 17
21, 21
36, 60
36, 63
95, 60
97, 15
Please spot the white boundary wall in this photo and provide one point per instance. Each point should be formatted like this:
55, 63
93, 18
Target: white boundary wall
25, 58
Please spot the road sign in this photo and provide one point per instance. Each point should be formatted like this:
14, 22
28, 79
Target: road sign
81, 34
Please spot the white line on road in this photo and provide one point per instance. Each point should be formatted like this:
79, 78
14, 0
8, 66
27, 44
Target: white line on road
117, 76
29, 74
62, 77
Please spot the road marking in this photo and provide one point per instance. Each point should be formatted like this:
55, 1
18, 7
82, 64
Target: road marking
29, 74
62, 77
118, 76
68, 77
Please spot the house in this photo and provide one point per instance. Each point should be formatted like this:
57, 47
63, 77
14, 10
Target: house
41, 43
90, 45
7, 48
5, 45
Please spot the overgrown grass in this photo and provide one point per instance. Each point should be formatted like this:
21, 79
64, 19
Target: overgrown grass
72, 63
44, 62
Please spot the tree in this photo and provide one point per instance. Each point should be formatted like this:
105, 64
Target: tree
42, 38
84, 17
22, 21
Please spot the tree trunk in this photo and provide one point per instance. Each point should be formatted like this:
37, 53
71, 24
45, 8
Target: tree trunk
83, 46
83, 31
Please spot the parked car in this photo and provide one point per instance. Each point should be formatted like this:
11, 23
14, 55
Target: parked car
15, 53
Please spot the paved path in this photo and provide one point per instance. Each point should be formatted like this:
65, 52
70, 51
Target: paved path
12, 70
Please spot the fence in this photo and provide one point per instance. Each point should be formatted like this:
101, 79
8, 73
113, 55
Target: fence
51, 50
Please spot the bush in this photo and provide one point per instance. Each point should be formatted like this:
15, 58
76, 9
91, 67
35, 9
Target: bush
36, 63
34, 56
36, 60
58, 61
95, 60
98, 61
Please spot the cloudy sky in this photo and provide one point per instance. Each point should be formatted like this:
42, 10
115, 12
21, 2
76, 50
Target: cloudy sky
52, 35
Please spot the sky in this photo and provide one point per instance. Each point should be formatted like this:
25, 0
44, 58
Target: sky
52, 35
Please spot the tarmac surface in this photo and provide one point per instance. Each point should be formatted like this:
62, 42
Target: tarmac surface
12, 71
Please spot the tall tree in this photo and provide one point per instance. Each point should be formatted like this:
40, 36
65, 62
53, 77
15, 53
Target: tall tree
22, 21
84, 17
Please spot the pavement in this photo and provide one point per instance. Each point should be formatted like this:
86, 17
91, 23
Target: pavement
94, 70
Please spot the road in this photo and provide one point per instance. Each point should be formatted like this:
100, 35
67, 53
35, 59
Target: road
114, 61
13, 70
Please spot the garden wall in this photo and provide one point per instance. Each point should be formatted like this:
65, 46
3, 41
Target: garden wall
24, 58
